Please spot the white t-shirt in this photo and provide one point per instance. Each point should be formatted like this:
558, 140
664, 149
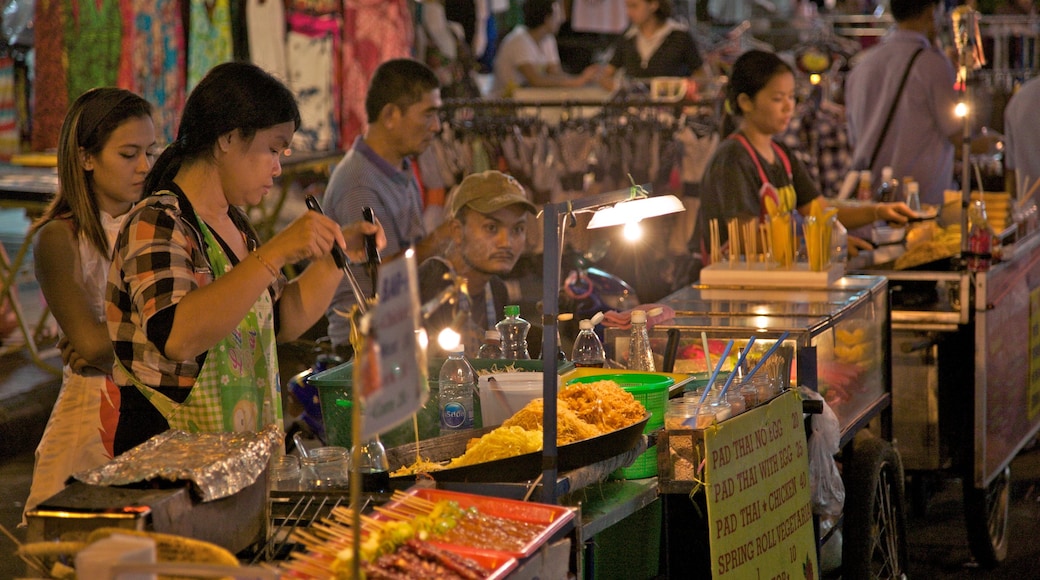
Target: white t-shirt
519, 48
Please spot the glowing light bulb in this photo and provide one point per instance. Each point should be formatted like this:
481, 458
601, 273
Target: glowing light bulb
961, 110
814, 79
448, 338
633, 231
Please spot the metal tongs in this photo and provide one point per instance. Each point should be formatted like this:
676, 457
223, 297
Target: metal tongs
341, 261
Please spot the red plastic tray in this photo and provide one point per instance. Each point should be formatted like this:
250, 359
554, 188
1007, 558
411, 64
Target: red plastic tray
552, 517
500, 564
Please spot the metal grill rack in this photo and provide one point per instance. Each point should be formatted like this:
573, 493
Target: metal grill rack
293, 510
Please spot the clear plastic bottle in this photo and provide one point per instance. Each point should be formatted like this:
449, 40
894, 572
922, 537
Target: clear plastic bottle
588, 349
470, 331
640, 355
912, 191
513, 331
980, 238
492, 347
889, 187
458, 382
373, 466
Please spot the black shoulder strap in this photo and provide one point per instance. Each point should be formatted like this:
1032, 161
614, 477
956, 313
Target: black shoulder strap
892, 109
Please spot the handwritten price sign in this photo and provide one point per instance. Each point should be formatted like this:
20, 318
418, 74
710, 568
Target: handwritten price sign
757, 478
403, 387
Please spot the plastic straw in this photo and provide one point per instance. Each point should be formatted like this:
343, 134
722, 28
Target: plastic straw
740, 361
707, 355
768, 354
715, 373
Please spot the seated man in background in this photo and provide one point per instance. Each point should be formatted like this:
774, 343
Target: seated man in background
487, 228
529, 56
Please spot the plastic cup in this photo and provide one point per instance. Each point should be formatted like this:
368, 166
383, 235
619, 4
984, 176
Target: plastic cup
677, 413
325, 468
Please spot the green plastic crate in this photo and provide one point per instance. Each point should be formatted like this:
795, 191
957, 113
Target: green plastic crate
652, 391
335, 387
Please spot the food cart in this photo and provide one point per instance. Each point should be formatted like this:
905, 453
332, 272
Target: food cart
840, 337
964, 354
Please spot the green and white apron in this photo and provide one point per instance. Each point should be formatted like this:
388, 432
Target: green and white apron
238, 388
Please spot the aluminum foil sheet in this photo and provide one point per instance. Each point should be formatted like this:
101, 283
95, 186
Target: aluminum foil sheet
217, 465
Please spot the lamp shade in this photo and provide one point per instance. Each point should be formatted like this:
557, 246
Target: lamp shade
633, 210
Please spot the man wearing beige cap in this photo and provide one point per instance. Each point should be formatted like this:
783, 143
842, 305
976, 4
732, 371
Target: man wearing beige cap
487, 225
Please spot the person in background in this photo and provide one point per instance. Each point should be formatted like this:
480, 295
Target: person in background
105, 148
750, 164
1022, 139
655, 45
402, 105
487, 220
195, 302
921, 136
529, 57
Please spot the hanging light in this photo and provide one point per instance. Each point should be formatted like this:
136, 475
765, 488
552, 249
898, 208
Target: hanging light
635, 209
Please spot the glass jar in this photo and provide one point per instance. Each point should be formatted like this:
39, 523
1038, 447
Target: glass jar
678, 412
285, 473
750, 393
325, 468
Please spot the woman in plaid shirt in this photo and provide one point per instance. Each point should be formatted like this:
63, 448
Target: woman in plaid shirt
195, 303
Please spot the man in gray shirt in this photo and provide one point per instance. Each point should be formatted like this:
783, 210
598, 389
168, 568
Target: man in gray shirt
919, 142
402, 106
1022, 138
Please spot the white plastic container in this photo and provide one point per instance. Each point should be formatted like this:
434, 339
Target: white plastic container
503, 394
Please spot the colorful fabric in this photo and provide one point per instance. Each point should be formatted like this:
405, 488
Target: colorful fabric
50, 91
210, 42
310, 68
93, 44
374, 32
154, 61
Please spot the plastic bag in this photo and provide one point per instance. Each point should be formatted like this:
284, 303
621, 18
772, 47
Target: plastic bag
825, 484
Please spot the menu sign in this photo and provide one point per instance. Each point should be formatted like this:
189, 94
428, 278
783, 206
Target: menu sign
402, 386
757, 481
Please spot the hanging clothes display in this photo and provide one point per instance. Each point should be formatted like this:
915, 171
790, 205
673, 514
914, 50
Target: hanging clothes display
93, 44
374, 31
209, 42
311, 64
265, 26
51, 98
153, 59
9, 138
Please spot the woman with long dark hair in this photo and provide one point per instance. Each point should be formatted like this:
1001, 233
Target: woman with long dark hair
196, 302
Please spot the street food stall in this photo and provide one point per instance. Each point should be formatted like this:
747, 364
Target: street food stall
838, 337
965, 391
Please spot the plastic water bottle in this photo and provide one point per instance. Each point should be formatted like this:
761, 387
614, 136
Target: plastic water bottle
513, 331
588, 350
640, 355
492, 346
458, 382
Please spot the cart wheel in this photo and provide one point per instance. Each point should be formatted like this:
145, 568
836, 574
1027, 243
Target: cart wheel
986, 516
874, 530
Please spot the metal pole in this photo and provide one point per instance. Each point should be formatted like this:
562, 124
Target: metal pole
550, 305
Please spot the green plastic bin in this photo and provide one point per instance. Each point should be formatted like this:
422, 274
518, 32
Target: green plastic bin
652, 391
335, 387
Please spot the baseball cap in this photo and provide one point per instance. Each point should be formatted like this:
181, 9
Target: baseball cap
487, 192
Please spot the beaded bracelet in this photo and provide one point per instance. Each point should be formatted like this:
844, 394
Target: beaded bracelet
270, 268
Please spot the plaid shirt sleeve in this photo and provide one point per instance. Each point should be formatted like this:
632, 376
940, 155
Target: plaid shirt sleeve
157, 261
